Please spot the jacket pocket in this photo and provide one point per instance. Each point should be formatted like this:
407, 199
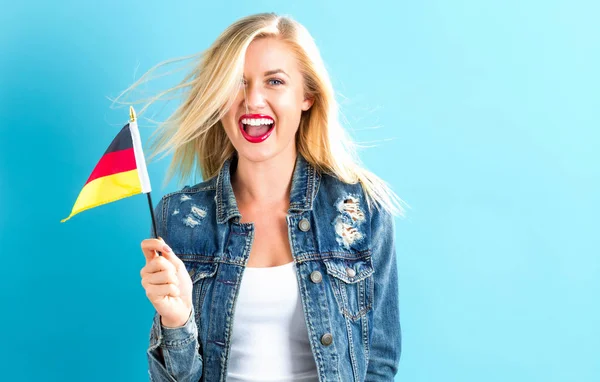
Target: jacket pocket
352, 283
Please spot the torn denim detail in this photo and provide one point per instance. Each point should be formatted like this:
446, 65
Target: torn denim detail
198, 212
194, 217
349, 220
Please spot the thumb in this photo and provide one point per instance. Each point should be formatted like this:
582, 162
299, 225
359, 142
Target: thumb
172, 257
164, 248
151, 249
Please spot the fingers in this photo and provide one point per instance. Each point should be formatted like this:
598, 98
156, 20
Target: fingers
162, 277
157, 292
159, 263
151, 246
161, 274
159, 279
170, 256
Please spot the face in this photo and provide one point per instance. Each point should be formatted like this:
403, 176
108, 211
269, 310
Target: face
265, 115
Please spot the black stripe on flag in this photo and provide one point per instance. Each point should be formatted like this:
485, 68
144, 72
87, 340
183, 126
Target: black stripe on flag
122, 141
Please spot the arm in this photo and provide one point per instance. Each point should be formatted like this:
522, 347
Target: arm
385, 340
173, 352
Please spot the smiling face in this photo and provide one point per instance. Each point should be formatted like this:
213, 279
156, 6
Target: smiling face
265, 115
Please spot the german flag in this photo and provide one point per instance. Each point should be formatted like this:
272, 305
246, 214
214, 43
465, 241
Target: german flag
121, 172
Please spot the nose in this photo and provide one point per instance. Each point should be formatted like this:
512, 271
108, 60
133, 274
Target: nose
254, 97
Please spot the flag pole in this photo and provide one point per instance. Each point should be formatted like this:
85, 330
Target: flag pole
133, 118
155, 234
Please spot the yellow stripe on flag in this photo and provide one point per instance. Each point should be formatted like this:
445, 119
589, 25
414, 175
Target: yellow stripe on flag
107, 189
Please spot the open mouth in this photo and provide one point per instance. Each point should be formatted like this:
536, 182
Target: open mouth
256, 128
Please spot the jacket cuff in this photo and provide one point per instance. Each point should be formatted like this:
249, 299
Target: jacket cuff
175, 337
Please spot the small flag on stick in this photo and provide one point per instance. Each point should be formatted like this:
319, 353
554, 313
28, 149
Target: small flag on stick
121, 172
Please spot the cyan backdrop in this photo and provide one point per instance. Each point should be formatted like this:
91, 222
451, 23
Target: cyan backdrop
484, 117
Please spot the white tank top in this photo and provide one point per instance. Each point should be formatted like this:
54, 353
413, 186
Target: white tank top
269, 340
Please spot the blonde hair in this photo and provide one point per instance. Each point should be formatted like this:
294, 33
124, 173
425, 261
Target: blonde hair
197, 139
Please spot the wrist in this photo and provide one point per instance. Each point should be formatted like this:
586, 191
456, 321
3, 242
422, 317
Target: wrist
175, 323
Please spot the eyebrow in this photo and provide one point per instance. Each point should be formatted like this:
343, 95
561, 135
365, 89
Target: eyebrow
275, 71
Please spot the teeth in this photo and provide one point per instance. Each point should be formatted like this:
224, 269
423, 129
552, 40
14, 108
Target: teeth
257, 121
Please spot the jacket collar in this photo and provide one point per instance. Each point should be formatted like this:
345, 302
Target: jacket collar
305, 183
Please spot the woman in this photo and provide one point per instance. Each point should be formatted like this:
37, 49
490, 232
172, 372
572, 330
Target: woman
281, 265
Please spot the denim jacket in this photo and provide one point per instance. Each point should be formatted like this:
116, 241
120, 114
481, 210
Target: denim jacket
345, 267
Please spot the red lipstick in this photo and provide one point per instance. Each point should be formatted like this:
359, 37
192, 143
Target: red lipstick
260, 138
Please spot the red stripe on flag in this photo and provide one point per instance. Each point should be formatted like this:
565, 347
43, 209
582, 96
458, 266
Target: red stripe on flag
113, 163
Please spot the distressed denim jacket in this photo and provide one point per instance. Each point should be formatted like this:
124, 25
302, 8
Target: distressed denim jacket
346, 272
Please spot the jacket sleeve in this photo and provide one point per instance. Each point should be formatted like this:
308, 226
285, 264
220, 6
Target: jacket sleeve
173, 354
385, 340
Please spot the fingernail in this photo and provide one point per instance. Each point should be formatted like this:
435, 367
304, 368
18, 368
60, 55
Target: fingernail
166, 248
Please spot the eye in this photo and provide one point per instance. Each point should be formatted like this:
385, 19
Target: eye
275, 81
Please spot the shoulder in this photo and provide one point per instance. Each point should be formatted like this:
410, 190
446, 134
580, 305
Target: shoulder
332, 190
199, 190
201, 196
351, 201
344, 196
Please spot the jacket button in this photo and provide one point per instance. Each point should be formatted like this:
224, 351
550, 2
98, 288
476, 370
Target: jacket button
327, 339
304, 225
316, 277
350, 272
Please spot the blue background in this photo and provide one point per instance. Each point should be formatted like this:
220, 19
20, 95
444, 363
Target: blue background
484, 117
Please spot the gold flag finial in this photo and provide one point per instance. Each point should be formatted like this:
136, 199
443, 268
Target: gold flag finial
132, 116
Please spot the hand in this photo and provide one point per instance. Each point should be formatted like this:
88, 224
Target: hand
167, 283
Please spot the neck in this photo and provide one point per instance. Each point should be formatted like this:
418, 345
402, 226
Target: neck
264, 183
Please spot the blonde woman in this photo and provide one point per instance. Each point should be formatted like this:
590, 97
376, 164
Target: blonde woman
281, 265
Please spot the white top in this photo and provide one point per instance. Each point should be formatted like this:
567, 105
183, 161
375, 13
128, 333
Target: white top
269, 340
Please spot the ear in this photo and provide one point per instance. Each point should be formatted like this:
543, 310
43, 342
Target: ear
308, 102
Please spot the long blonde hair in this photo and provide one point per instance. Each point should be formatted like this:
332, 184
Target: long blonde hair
197, 139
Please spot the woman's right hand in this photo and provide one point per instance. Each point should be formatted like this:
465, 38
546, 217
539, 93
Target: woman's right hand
167, 283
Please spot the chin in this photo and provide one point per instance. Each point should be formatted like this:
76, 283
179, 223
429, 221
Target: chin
265, 151
256, 154
269, 149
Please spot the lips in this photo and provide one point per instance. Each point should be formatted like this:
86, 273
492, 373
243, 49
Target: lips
256, 138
